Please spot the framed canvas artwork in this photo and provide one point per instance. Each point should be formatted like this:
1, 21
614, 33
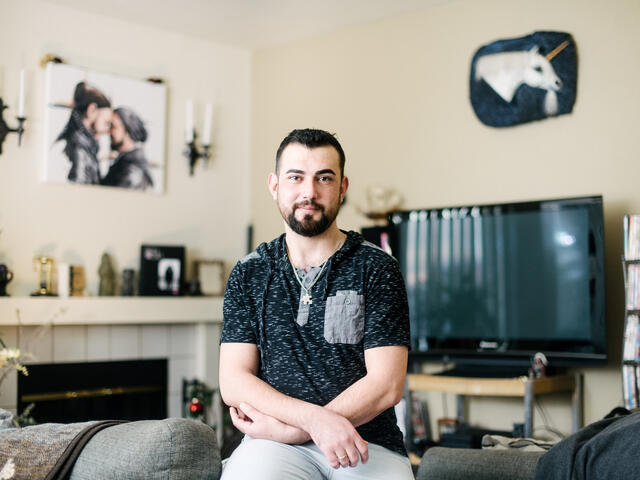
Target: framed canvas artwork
104, 130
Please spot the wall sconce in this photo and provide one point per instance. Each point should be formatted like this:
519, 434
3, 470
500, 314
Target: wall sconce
192, 152
4, 128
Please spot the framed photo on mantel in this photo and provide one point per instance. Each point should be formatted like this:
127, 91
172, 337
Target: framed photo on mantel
161, 270
210, 277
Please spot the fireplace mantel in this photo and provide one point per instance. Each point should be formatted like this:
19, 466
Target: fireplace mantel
186, 330
109, 310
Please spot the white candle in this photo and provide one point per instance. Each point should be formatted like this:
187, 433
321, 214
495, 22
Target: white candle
206, 129
63, 280
21, 95
188, 128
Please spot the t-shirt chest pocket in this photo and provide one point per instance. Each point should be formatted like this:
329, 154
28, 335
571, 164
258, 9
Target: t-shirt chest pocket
344, 317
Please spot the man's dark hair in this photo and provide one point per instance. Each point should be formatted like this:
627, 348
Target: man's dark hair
311, 138
132, 124
85, 94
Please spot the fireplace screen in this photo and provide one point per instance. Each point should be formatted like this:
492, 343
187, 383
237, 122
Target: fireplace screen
77, 392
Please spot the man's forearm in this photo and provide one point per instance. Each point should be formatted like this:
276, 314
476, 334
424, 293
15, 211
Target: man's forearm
363, 401
377, 391
239, 383
245, 387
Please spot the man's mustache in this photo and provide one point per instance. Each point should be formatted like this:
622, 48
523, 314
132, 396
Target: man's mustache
308, 203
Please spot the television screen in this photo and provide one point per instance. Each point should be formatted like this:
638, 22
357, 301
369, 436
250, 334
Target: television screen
498, 283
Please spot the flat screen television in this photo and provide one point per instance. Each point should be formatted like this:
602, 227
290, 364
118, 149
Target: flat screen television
492, 285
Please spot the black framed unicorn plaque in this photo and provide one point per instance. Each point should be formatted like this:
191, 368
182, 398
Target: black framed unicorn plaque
520, 80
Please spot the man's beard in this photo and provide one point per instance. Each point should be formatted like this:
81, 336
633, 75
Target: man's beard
116, 145
307, 227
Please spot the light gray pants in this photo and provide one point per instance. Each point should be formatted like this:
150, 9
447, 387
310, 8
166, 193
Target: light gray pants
269, 460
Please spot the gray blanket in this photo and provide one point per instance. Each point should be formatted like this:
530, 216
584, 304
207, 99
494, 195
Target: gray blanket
43, 452
604, 449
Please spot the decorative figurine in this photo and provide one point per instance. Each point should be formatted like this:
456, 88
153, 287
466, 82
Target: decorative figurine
128, 282
107, 275
539, 366
380, 202
6, 276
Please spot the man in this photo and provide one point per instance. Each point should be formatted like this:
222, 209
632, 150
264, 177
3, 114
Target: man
131, 168
315, 336
90, 117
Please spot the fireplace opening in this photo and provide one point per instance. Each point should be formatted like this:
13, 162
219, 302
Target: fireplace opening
78, 392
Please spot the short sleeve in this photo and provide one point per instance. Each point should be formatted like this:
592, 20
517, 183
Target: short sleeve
236, 314
386, 307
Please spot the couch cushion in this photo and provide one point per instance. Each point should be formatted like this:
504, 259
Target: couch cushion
174, 448
474, 464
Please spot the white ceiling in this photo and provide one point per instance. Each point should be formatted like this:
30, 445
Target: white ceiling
251, 24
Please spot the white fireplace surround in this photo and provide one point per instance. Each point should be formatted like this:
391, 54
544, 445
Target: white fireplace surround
185, 330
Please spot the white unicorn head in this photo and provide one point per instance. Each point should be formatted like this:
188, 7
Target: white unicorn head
504, 72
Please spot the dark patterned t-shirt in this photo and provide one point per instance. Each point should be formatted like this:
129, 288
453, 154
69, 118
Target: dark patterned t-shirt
314, 352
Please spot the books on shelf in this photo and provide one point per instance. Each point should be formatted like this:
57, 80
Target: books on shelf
633, 286
631, 340
631, 347
631, 385
632, 237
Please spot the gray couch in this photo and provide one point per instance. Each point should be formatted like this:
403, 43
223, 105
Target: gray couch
607, 449
173, 448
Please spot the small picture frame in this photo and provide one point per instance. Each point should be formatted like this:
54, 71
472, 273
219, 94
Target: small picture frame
210, 276
161, 270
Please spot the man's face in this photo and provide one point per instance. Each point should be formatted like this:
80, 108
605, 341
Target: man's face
117, 132
308, 188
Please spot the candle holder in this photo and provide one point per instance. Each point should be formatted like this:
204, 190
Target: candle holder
4, 128
193, 153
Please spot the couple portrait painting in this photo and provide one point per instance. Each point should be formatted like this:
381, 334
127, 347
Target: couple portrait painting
93, 116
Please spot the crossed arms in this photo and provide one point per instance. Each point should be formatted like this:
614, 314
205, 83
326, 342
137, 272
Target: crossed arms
260, 411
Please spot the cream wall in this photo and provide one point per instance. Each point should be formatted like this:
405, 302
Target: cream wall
75, 223
396, 93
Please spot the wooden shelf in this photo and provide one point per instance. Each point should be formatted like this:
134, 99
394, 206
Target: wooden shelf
524, 387
109, 310
494, 387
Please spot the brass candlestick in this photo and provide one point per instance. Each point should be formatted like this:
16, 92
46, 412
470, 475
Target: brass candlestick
44, 267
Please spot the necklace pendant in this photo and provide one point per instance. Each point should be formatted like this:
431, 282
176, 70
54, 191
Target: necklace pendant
306, 299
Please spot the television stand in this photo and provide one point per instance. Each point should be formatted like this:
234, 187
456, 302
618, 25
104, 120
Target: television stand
484, 371
521, 386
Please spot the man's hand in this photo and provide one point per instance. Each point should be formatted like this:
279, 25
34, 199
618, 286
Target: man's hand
337, 438
259, 425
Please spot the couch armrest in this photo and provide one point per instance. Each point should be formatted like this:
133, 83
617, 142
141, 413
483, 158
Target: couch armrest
473, 464
175, 448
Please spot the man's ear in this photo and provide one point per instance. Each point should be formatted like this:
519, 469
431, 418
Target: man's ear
344, 185
273, 185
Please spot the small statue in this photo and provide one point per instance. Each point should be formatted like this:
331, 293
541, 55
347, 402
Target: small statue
6, 276
539, 366
380, 202
107, 277
128, 276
